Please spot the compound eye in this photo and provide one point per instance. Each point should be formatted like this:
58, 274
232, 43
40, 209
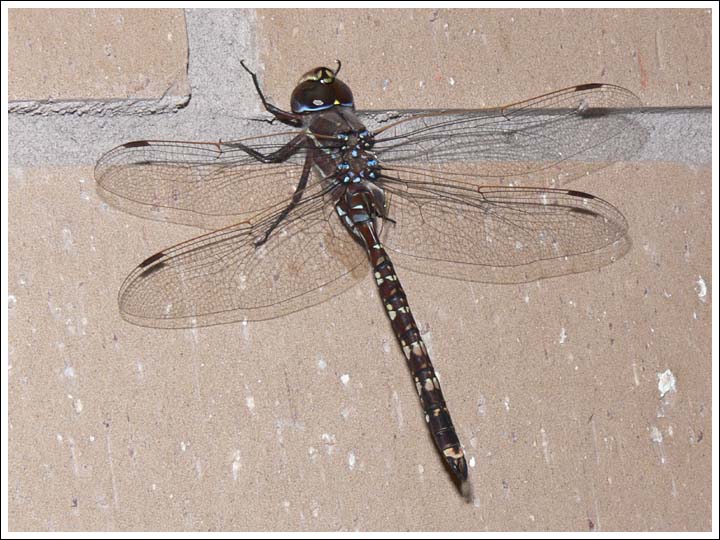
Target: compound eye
319, 90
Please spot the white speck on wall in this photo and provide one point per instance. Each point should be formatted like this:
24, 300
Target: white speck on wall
481, 408
421, 469
544, 443
345, 379
12, 301
67, 239
313, 453
183, 446
701, 288
386, 347
236, 465
657, 438
636, 379
506, 403
77, 405
397, 408
250, 403
245, 330
329, 442
321, 363
59, 438
351, 460
471, 462
666, 382
563, 335
69, 372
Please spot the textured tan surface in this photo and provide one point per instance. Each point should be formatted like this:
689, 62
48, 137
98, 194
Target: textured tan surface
251, 427
552, 385
476, 58
99, 54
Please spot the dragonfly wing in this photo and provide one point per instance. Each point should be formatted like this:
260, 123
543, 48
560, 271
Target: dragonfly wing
499, 234
556, 136
209, 185
223, 277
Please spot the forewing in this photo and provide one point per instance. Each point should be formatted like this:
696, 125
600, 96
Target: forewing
553, 137
209, 185
499, 234
223, 277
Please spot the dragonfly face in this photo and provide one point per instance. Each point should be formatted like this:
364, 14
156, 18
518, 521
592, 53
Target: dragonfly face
318, 90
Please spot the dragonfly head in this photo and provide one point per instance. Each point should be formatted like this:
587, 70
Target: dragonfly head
319, 89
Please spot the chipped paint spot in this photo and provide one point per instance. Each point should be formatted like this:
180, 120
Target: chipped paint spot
563, 335
245, 330
329, 442
345, 379
657, 438
481, 408
701, 288
236, 465
250, 403
666, 382
636, 379
397, 409
77, 405
506, 403
67, 239
12, 301
471, 461
544, 443
351, 460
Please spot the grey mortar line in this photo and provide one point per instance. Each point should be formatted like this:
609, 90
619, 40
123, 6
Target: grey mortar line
224, 105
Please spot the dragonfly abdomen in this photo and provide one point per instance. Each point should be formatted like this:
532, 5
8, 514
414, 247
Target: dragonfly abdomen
427, 385
357, 210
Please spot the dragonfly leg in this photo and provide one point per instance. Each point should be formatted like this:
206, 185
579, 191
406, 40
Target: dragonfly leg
279, 155
285, 117
295, 199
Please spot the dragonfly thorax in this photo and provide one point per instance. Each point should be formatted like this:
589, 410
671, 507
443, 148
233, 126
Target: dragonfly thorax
355, 161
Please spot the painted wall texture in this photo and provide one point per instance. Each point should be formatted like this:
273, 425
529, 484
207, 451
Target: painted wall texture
583, 401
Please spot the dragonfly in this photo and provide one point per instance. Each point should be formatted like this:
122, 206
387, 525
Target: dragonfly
298, 216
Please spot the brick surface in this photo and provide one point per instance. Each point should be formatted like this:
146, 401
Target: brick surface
102, 54
475, 58
553, 386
